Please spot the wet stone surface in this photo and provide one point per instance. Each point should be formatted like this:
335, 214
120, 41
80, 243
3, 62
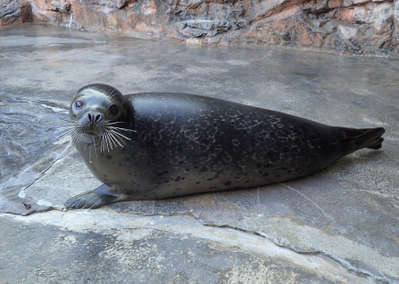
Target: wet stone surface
338, 226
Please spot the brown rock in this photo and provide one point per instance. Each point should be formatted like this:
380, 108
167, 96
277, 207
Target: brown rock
14, 12
334, 4
354, 26
347, 15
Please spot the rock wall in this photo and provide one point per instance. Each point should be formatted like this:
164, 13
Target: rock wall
353, 26
14, 12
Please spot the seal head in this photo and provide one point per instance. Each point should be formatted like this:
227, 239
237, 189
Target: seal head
101, 114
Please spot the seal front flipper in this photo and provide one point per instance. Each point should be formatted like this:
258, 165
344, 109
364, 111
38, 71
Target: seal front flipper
102, 195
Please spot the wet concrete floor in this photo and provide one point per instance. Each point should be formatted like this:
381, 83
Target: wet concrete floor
341, 225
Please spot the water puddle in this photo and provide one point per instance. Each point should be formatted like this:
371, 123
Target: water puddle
29, 135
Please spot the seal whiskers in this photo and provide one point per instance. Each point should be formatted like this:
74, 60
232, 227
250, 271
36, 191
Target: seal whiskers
93, 140
112, 136
76, 136
65, 130
104, 144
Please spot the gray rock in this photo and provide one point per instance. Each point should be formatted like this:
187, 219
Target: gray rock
61, 6
202, 27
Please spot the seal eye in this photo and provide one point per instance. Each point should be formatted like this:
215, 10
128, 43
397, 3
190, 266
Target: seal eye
113, 110
79, 104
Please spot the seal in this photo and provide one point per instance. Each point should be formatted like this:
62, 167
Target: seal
160, 145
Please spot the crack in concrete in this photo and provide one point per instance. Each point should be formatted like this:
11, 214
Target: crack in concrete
251, 241
348, 266
343, 263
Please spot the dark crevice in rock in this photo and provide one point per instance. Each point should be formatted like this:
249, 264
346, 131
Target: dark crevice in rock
362, 4
389, 42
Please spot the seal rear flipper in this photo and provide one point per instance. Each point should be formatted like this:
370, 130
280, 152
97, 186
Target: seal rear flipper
356, 139
102, 195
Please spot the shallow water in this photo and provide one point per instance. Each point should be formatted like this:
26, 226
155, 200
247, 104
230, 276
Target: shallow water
32, 139
26, 135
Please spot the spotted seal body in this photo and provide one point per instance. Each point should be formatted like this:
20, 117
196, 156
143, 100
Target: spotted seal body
169, 144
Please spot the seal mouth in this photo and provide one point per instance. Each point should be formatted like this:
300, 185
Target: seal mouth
92, 131
105, 136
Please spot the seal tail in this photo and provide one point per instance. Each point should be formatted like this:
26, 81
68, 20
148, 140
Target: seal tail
356, 139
